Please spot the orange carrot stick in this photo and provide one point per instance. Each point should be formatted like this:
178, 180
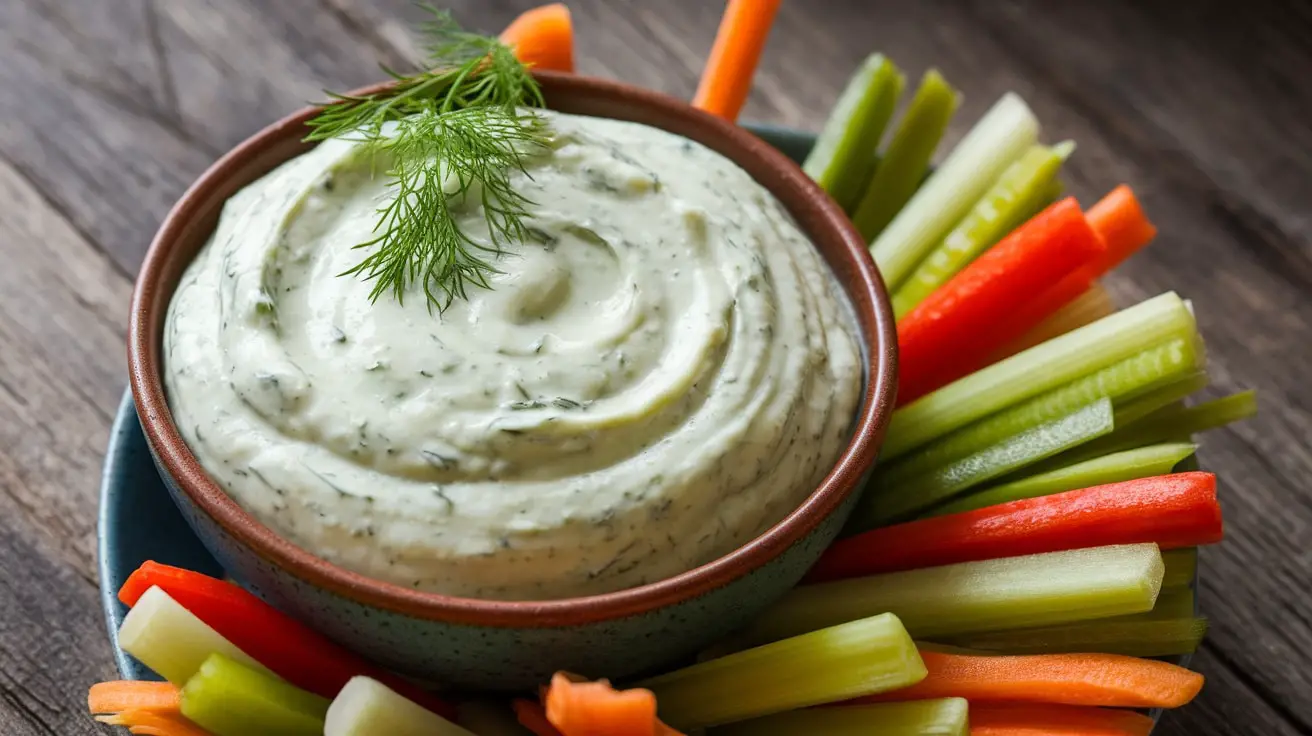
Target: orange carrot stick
122, 695
533, 716
597, 709
1121, 223
154, 723
543, 38
1055, 720
1060, 679
728, 75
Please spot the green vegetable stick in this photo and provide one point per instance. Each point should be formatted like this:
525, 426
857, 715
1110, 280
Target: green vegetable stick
1130, 378
999, 138
938, 717
1012, 199
231, 699
990, 595
1176, 602
854, 658
172, 641
844, 154
1132, 411
1170, 424
1181, 567
887, 501
1136, 638
367, 707
1144, 462
1038, 370
907, 157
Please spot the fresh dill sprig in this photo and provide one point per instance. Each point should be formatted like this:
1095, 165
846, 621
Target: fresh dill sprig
452, 136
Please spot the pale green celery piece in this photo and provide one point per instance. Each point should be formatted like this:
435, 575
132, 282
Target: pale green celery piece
844, 154
1144, 462
1163, 637
367, 707
907, 157
990, 595
887, 501
999, 138
1139, 374
1017, 194
1181, 567
231, 699
1176, 602
1036, 371
938, 717
858, 657
1132, 411
1172, 423
172, 641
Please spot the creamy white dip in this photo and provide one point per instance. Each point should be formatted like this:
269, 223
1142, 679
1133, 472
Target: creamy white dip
664, 370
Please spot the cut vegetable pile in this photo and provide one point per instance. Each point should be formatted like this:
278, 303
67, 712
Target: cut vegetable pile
1026, 545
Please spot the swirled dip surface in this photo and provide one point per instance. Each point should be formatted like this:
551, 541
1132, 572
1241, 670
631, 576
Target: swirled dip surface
660, 373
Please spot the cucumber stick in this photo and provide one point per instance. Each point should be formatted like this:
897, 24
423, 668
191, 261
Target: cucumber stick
937, 717
844, 154
990, 595
888, 501
1132, 637
1130, 378
230, 699
172, 641
853, 658
907, 157
1000, 137
1013, 198
1038, 370
1143, 462
367, 707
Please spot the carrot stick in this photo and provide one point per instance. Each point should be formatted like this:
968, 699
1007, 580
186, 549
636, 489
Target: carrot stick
1178, 510
154, 723
1055, 720
1121, 223
533, 716
543, 38
597, 709
1057, 679
123, 695
738, 44
951, 332
293, 651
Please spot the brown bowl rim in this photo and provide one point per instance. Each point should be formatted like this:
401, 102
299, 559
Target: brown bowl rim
815, 212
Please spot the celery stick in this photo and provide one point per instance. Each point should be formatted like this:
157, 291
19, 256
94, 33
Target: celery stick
172, 641
842, 159
1038, 370
1170, 424
1177, 602
1136, 638
906, 159
1144, 462
1181, 567
888, 500
940, 717
1088, 308
1012, 199
856, 658
999, 138
367, 707
231, 699
1135, 376
1132, 411
1006, 593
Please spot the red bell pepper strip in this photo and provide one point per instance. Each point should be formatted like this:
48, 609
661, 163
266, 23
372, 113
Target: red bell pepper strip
292, 650
1055, 720
952, 332
1113, 680
1178, 510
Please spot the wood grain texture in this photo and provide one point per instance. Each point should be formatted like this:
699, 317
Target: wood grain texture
110, 109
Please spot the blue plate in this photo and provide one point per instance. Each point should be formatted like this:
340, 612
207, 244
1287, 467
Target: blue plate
139, 522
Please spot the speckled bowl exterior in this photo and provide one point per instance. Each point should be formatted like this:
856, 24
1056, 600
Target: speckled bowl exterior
500, 645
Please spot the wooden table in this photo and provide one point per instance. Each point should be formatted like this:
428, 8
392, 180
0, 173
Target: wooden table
109, 108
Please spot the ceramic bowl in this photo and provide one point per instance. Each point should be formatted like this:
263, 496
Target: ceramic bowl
500, 644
